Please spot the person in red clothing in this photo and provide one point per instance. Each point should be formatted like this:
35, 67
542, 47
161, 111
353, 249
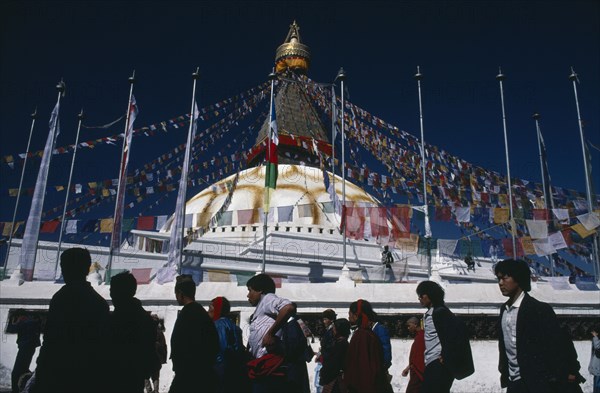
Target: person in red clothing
416, 360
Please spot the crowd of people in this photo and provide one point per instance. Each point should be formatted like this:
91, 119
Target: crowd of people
208, 354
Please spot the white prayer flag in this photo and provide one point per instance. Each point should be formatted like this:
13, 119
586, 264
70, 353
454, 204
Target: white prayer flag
538, 229
463, 214
589, 220
71, 227
543, 247
561, 215
558, 241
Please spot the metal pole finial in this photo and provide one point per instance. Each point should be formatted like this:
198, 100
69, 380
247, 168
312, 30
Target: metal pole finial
272, 76
500, 75
341, 75
573, 76
131, 79
418, 75
536, 116
80, 115
196, 75
34, 114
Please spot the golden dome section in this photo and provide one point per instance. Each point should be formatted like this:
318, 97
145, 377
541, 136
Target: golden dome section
292, 54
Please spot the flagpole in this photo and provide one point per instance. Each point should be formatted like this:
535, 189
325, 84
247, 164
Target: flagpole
333, 119
12, 228
62, 222
500, 77
341, 76
184, 174
263, 265
547, 202
131, 80
418, 77
595, 250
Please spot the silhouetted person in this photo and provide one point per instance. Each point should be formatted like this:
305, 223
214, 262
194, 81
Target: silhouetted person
28, 329
333, 361
73, 354
133, 334
529, 338
160, 356
194, 343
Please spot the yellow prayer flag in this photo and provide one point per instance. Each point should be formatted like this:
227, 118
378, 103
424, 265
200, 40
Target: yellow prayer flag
105, 192
59, 188
13, 192
106, 225
7, 228
501, 215
218, 276
527, 244
503, 199
92, 184
581, 231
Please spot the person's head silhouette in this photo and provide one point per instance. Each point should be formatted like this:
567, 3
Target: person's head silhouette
75, 264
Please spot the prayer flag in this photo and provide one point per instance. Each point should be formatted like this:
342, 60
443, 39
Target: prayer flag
115, 241
271, 156
537, 229
32, 230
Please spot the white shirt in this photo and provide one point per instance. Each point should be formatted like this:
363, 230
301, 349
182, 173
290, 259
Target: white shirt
509, 331
261, 321
433, 346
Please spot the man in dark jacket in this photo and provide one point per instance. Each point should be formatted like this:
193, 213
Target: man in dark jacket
529, 336
194, 343
133, 334
75, 336
447, 349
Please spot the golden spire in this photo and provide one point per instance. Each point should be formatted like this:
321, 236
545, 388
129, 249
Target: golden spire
292, 54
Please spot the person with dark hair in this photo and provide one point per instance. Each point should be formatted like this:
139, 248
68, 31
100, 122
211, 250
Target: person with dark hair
75, 332
28, 328
447, 349
416, 360
159, 358
380, 330
194, 342
264, 341
327, 341
529, 335
333, 361
365, 368
594, 366
231, 362
132, 337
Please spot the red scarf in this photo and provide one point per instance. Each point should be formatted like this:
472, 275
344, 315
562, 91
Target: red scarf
217, 305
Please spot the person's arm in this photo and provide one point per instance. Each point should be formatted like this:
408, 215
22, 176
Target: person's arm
282, 316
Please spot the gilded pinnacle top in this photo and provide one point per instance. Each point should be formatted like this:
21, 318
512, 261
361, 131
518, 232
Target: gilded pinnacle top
292, 54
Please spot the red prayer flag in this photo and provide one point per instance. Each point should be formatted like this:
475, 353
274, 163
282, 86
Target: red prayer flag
541, 214
355, 222
50, 226
145, 223
379, 227
400, 222
508, 247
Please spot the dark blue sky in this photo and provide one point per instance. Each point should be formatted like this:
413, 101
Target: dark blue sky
459, 45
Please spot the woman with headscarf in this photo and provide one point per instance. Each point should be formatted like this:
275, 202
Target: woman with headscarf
230, 364
365, 368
